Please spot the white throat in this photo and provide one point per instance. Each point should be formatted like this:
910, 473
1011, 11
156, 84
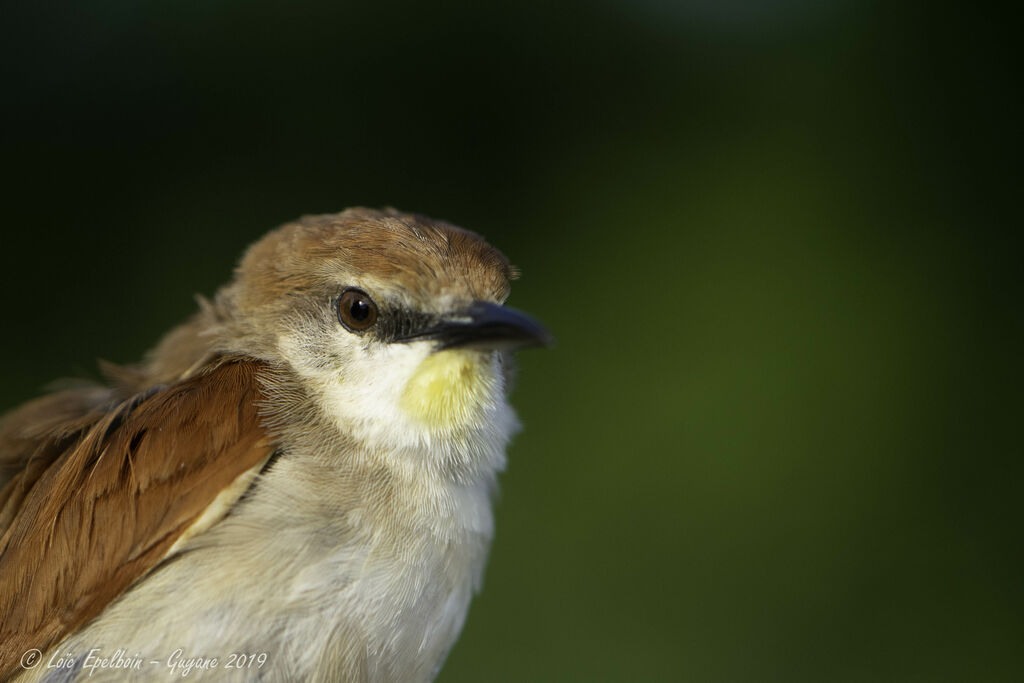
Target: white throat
426, 410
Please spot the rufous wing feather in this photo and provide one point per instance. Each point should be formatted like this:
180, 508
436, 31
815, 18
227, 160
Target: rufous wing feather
86, 516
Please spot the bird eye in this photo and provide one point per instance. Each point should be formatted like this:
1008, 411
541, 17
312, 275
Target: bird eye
356, 310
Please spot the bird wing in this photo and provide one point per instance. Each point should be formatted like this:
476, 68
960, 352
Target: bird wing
111, 504
39, 429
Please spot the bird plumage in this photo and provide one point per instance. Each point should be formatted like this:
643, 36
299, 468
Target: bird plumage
269, 480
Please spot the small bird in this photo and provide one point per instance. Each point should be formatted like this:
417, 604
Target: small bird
294, 485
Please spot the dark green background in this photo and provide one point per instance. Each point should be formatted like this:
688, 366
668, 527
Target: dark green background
779, 438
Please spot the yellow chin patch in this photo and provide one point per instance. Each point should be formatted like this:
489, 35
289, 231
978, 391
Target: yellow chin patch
449, 388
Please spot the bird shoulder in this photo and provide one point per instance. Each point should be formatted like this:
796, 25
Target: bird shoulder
104, 496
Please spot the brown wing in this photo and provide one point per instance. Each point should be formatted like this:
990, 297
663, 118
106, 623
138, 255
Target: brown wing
108, 509
33, 435
44, 427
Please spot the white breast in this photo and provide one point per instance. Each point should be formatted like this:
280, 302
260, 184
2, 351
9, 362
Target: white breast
354, 558
339, 568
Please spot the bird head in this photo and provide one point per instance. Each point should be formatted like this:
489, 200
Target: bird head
393, 321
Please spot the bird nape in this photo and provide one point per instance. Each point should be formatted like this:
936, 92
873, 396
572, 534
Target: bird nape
294, 484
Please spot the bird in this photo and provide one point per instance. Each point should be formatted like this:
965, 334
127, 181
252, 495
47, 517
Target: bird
296, 483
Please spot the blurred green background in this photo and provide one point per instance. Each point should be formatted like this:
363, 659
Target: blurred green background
779, 245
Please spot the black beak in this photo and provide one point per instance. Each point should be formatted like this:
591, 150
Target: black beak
485, 326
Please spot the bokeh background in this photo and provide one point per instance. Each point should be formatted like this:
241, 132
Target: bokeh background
778, 242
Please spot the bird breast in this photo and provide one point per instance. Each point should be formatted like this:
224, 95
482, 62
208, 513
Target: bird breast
336, 567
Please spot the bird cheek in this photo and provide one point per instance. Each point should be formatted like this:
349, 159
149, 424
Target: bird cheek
451, 389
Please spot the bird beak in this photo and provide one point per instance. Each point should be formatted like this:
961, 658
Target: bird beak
484, 326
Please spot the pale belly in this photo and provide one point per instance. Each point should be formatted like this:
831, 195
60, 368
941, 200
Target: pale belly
345, 602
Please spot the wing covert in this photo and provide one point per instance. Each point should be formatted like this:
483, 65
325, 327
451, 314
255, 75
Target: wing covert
96, 516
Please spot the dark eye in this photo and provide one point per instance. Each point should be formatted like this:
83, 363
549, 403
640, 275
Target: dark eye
356, 310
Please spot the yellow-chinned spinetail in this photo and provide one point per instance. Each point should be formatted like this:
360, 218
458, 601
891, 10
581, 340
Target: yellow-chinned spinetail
295, 483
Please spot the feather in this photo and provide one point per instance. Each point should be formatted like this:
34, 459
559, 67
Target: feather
106, 496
